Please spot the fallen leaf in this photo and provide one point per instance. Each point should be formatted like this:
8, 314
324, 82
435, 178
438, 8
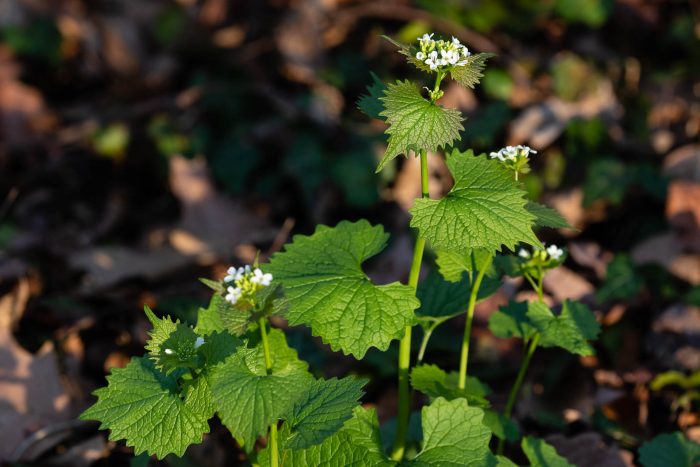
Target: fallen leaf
32, 395
683, 212
564, 283
683, 163
666, 249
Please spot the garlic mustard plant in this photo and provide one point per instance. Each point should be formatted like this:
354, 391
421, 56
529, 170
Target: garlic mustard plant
232, 364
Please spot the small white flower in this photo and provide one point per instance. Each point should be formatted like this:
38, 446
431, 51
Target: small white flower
425, 37
465, 52
523, 253
168, 351
199, 342
231, 274
554, 252
455, 41
234, 293
431, 63
420, 56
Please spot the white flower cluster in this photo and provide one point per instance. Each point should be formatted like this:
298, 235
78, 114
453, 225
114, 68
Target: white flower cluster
246, 281
512, 153
440, 53
552, 252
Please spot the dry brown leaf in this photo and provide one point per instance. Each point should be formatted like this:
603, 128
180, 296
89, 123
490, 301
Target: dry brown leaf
32, 395
683, 163
570, 205
666, 249
210, 228
683, 212
591, 255
563, 283
539, 125
12, 305
679, 319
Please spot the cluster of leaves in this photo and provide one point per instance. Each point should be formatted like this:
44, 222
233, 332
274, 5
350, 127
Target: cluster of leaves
229, 365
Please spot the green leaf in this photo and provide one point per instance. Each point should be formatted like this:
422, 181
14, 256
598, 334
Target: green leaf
453, 263
571, 330
542, 454
669, 449
328, 291
546, 216
500, 426
370, 103
356, 444
512, 320
434, 382
454, 435
208, 319
485, 209
142, 405
415, 123
248, 399
171, 344
621, 280
470, 74
440, 300
322, 410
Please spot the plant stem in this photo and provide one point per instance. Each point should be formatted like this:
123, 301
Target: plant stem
274, 453
518, 384
526, 361
424, 344
464, 356
404, 412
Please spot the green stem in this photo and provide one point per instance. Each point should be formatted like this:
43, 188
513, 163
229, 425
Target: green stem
427, 333
464, 356
404, 412
526, 361
274, 453
518, 384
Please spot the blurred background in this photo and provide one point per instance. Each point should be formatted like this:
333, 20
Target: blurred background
146, 144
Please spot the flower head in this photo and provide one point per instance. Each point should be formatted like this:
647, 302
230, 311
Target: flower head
441, 55
554, 252
245, 283
516, 158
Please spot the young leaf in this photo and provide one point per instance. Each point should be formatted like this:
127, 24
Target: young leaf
171, 344
485, 209
542, 454
328, 291
208, 319
669, 449
143, 406
571, 330
247, 398
470, 74
454, 435
322, 410
546, 216
370, 103
416, 123
434, 382
357, 443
